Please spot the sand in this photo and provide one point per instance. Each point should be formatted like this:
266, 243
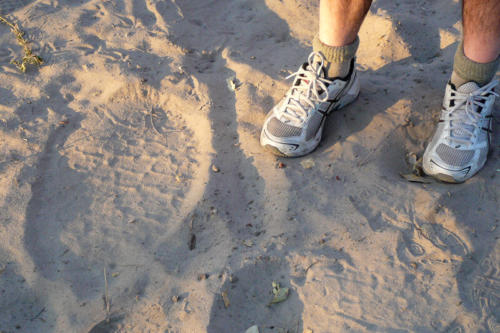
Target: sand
128, 154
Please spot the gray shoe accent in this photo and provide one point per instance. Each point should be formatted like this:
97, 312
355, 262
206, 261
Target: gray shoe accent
282, 130
314, 124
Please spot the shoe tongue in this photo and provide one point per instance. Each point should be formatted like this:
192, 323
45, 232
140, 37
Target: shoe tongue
308, 68
468, 87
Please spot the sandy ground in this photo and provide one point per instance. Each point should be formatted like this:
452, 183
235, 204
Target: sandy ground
128, 155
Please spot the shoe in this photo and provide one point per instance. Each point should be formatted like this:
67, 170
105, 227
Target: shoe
295, 125
463, 136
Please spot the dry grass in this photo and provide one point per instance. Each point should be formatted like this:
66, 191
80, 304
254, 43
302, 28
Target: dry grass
29, 58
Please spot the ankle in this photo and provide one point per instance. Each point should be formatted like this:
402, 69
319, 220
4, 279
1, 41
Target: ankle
466, 70
338, 58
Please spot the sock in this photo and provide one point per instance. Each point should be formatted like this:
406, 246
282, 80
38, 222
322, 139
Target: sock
338, 58
466, 70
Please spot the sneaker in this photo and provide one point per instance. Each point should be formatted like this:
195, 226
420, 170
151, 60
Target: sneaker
462, 140
295, 125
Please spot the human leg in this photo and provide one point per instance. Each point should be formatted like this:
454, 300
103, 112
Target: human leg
340, 20
477, 57
339, 24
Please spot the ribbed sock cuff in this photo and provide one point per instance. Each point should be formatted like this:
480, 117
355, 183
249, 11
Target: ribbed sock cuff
336, 53
470, 70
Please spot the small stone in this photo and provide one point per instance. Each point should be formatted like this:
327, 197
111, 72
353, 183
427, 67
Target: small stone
175, 299
281, 165
215, 169
248, 243
308, 163
202, 276
253, 329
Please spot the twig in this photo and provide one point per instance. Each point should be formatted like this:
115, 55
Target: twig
38, 315
192, 236
29, 58
106, 295
311, 265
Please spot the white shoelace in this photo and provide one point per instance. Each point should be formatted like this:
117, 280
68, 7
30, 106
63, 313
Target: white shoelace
463, 116
306, 94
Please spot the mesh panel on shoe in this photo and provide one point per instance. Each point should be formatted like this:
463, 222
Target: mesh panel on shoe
281, 130
460, 132
468, 87
313, 127
454, 156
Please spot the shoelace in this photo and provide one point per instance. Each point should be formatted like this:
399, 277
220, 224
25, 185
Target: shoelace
467, 122
304, 95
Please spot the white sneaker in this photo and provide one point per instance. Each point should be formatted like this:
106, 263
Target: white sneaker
295, 125
462, 140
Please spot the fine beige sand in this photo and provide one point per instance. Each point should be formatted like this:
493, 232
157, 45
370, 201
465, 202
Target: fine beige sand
128, 155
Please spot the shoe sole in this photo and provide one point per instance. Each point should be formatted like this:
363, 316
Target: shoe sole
446, 178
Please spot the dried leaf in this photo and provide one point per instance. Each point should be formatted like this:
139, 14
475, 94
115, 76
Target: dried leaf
415, 164
225, 298
416, 179
280, 294
115, 274
248, 243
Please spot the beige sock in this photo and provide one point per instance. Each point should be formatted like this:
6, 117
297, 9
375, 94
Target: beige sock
466, 70
338, 58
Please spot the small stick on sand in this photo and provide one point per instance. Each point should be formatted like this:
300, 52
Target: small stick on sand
309, 267
106, 295
38, 315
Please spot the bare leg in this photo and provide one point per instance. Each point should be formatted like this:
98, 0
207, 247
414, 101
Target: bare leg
477, 57
339, 23
340, 20
481, 21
